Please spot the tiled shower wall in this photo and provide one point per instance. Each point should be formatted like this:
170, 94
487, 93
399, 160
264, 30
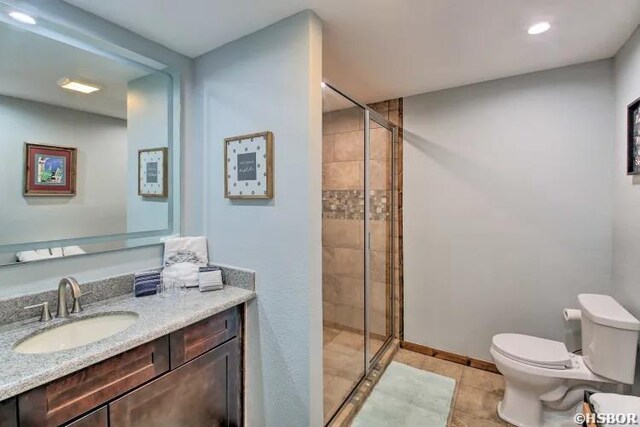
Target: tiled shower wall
343, 219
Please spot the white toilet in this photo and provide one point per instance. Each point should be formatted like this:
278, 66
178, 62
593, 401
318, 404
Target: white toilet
540, 372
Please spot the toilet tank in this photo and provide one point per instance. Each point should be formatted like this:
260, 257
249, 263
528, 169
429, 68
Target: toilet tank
609, 337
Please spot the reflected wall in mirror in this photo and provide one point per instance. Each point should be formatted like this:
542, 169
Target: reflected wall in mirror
73, 121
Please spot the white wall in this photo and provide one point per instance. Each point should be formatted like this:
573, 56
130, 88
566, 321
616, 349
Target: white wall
626, 226
507, 205
270, 80
99, 207
19, 279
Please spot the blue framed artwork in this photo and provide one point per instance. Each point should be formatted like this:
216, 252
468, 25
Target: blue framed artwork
49, 170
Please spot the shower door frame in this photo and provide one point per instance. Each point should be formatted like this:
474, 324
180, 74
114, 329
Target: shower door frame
369, 115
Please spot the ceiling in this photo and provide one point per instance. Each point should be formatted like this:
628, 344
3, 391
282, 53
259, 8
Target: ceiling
380, 49
24, 76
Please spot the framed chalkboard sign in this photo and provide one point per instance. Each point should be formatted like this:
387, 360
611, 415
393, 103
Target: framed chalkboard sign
633, 138
248, 166
152, 172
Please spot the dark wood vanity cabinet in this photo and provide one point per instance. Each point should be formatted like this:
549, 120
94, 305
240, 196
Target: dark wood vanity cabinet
200, 393
8, 413
189, 378
58, 402
97, 418
196, 339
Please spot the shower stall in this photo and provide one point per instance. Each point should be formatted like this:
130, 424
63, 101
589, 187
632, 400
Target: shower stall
359, 149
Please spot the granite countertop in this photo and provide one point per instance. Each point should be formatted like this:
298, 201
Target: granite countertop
157, 317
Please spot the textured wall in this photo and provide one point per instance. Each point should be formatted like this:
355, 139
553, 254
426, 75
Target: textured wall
270, 80
147, 106
626, 195
507, 205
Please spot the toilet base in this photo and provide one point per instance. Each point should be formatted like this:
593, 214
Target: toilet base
513, 421
521, 409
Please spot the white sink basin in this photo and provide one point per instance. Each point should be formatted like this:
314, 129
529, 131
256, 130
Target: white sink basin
76, 333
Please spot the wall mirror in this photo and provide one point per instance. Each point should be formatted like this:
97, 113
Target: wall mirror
87, 147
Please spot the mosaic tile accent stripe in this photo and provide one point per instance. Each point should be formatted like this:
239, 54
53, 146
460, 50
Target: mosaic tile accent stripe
349, 204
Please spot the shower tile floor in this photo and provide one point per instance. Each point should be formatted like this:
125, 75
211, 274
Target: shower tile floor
343, 365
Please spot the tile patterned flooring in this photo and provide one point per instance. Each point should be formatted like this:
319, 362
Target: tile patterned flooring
475, 399
477, 394
343, 359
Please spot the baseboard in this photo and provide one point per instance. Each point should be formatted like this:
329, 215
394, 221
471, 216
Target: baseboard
451, 357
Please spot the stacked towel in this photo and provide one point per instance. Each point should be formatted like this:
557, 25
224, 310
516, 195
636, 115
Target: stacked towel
182, 258
72, 250
183, 272
56, 252
186, 249
40, 254
28, 256
146, 283
210, 279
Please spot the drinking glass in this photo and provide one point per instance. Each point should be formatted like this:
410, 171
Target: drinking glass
161, 289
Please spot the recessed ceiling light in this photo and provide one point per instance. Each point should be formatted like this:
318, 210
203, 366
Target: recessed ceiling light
78, 86
22, 17
539, 28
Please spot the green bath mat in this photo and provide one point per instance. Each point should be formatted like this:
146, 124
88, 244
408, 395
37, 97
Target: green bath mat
406, 396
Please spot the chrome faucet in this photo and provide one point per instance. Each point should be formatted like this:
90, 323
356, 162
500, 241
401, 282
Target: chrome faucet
63, 311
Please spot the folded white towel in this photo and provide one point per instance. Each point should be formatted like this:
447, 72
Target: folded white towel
72, 250
182, 272
44, 253
56, 252
28, 256
179, 247
211, 280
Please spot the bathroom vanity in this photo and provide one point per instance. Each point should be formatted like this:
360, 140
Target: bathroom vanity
188, 377
180, 363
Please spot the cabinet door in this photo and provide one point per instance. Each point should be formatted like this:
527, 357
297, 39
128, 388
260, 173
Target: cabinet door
99, 418
202, 393
8, 413
69, 397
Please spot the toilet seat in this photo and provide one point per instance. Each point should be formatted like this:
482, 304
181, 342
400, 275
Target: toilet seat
533, 351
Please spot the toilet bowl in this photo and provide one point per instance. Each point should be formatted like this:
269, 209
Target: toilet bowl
539, 372
536, 371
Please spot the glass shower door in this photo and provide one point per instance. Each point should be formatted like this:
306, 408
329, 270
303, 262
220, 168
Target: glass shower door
357, 243
379, 268
343, 250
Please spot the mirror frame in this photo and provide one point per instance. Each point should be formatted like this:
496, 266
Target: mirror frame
90, 42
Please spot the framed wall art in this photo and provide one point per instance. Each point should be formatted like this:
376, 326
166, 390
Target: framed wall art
248, 166
152, 172
633, 138
49, 170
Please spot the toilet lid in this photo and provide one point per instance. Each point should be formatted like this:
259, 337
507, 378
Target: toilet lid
533, 350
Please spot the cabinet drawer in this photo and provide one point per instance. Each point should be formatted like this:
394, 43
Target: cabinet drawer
64, 399
99, 418
204, 392
8, 413
194, 340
